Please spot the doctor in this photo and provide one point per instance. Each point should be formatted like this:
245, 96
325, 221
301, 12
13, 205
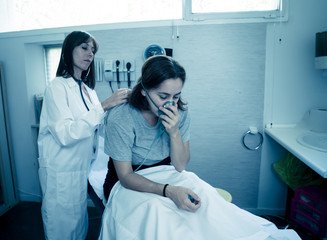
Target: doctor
67, 141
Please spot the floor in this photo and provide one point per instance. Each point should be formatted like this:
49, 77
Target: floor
24, 222
281, 223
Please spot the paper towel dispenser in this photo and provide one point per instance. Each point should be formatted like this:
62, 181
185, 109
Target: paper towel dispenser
321, 50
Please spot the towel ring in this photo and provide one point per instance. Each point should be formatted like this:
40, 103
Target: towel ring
252, 133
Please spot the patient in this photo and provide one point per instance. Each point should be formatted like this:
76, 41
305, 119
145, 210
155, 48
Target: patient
155, 198
144, 134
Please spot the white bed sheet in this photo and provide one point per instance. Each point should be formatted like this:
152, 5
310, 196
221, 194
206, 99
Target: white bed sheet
135, 215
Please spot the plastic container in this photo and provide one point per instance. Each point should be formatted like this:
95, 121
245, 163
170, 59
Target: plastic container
309, 209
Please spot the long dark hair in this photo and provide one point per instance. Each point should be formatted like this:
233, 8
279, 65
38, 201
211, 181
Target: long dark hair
65, 68
155, 70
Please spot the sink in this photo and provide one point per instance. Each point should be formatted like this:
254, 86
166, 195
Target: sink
317, 141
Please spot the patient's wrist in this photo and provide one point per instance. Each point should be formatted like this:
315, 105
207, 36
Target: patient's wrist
169, 188
164, 190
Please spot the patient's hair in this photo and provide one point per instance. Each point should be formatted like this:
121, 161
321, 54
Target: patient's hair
156, 70
66, 65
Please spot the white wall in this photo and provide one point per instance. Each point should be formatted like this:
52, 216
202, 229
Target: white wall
297, 85
224, 89
230, 84
293, 85
24, 75
225, 86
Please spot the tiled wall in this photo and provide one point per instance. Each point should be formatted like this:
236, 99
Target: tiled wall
225, 67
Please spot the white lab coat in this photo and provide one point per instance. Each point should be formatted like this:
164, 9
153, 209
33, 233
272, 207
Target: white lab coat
66, 143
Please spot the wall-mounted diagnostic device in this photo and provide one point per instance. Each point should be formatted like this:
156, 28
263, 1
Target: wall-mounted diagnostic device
321, 52
117, 69
152, 50
120, 71
129, 69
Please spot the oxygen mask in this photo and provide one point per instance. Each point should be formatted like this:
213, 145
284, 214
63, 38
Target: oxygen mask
165, 106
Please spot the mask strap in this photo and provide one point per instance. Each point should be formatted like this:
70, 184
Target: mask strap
149, 95
161, 128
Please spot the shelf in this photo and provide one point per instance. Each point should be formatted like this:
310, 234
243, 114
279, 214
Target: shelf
286, 136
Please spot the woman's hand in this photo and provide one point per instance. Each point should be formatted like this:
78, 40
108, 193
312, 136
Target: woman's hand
118, 97
180, 196
170, 118
179, 150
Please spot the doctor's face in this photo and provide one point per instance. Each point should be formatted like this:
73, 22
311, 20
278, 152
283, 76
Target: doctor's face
168, 90
83, 56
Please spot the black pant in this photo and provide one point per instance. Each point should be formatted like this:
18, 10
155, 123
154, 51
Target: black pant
94, 197
112, 177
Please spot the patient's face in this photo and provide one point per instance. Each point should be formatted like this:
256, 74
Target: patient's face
168, 90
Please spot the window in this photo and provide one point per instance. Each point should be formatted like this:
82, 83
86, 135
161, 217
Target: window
235, 9
17, 15
206, 6
52, 57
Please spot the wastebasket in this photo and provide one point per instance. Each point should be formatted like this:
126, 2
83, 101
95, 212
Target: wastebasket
295, 173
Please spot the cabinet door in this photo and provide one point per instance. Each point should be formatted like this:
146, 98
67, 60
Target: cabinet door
8, 190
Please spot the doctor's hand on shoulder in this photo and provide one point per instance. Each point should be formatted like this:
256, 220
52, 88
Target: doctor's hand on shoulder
118, 97
184, 198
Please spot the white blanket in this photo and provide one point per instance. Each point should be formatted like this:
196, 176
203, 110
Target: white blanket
135, 215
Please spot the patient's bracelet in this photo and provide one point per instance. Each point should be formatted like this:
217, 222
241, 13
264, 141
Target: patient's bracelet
164, 190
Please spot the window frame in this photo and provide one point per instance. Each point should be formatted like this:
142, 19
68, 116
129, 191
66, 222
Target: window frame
47, 59
246, 16
187, 18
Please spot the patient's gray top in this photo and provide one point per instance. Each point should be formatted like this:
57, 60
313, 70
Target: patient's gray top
129, 137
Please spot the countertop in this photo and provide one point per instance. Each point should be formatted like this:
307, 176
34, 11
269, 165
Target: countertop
286, 136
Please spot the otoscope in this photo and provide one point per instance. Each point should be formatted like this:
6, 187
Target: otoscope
128, 67
117, 72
